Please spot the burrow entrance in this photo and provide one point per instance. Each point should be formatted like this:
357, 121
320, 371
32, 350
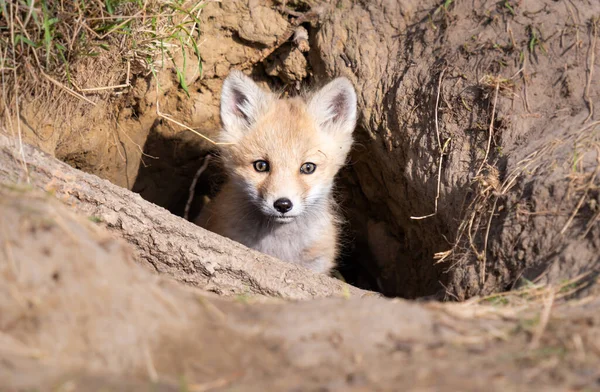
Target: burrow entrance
446, 192
377, 253
168, 182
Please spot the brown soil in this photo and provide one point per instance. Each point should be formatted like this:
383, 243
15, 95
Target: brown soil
411, 60
475, 172
517, 195
77, 313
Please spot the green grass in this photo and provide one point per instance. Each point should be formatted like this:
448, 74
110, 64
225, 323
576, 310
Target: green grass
95, 219
509, 7
46, 37
498, 300
243, 298
535, 41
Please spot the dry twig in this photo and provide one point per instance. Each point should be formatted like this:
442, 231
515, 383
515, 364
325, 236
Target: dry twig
192, 190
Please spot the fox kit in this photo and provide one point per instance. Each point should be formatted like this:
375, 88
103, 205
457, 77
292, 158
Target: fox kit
281, 163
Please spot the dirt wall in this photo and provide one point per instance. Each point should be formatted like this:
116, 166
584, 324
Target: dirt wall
477, 119
454, 100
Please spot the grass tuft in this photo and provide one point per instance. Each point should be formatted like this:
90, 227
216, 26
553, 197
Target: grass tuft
41, 41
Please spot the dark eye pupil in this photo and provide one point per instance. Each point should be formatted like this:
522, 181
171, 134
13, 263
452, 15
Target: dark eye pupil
308, 168
261, 166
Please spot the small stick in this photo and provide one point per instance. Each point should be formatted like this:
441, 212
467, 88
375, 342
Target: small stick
192, 191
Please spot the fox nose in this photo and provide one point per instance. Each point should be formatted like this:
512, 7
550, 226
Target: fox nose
283, 205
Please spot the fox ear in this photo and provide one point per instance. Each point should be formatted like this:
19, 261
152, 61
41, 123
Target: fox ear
241, 103
334, 106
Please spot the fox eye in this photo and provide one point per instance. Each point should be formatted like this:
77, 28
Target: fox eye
308, 168
261, 166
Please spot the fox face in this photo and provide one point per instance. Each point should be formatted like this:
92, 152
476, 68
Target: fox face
285, 153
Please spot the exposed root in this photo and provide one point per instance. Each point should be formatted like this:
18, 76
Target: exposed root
439, 183
485, 242
442, 151
437, 106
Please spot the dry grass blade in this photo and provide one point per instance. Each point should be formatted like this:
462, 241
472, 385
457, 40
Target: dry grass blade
67, 89
442, 151
16, 88
491, 127
124, 85
441, 256
544, 318
580, 202
533, 294
170, 119
591, 64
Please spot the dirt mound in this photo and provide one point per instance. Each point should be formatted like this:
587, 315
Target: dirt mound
76, 312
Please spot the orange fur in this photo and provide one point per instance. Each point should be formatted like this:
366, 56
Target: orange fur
286, 134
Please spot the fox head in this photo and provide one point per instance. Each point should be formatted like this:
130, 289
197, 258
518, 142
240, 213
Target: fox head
285, 153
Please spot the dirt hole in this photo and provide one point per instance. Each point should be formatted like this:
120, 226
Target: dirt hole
487, 108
